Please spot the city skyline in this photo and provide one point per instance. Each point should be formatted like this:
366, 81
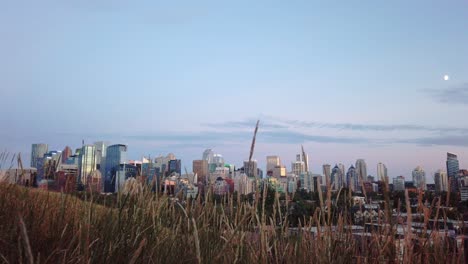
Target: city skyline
296, 167
386, 83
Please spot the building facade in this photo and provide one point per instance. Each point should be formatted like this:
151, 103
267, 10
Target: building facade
327, 173
399, 183
419, 178
86, 163
453, 167
200, 167
115, 156
351, 179
37, 152
441, 181
272, 162
361, 171
382, 173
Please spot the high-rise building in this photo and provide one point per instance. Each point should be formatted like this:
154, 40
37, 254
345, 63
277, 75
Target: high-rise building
399, 183
115, 155
101, 149
66, 153
361, 171
351, 179
86, 163
208, 155
419, 178
200, 168
327, 173
47, 165
216, 161
343, 174
441, 181
306, 180
382, 174
37, 152
452, 170
272, 162
175, 166
337, 180
251, 168
279, 172
298, 166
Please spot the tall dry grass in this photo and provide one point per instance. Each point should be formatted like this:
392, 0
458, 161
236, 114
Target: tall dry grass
45, 227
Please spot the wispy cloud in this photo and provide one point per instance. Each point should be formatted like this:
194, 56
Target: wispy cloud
208, 139
194, 137
249, 123
298, 138
453, 95
282, 136
461, 141
277, 123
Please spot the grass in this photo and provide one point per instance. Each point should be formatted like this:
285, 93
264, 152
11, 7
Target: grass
45, 227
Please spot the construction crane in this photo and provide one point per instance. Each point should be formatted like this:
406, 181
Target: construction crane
250, 171
306, 162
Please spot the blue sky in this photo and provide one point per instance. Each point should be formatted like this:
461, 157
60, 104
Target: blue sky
346, 79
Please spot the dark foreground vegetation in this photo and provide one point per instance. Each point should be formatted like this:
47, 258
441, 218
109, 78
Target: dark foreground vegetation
44, 227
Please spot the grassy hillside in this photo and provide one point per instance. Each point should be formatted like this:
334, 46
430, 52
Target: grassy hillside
44, 227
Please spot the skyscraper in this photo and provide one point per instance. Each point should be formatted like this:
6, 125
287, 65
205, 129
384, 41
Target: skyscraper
343, 174
298, 166
399, 183
452, 170
86, 163
208, 155
251, 168
115, 155
175, 166
382, 174
361, 171
272, 162
101, 149
200, 168
441, 181
336, 178
351, 179
37, 152
419, 178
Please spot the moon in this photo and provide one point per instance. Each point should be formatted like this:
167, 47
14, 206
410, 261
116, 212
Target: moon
446, 77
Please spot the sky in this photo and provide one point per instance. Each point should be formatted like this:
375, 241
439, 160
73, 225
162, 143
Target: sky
346, 79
